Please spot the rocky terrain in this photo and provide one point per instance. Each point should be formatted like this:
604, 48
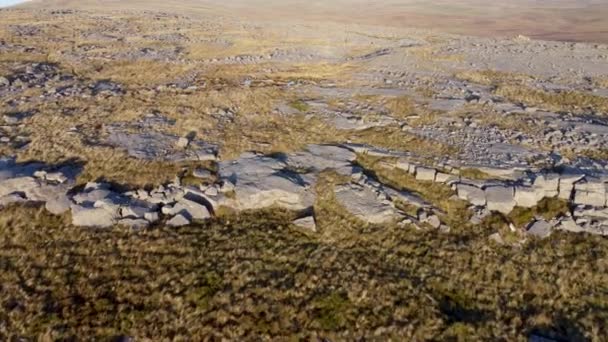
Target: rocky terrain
121, 124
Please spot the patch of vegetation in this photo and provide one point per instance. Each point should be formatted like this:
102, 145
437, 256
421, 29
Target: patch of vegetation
493, 77
392, 137
472, 173
437, 194
547, 208
300, 106
401, 107
601, 82
559, 101
331, 311
249, 275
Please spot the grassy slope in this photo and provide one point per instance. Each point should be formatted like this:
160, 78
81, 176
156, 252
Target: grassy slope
252, 276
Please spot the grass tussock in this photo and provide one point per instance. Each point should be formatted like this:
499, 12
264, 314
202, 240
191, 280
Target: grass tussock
401, 107
547, 208
562, 101
493, 77
601, 82
393, 137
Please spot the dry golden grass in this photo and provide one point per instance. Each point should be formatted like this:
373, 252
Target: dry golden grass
601, 82
493, 77
562, 101
401, 107
392, 137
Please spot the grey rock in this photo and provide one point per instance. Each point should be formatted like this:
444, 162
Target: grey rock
307, 223
591, 193
201, 173
500, 198
58, 205
363, 204
19, 184
425, 174
192, 206
471, 194
152, 217
526, 197
100, 217
540, 229
183, 142
178, 221
11, 199
547, 185
433, 221
566, 185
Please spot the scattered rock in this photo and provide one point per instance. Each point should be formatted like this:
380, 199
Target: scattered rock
178, 221
307, 223
540, 229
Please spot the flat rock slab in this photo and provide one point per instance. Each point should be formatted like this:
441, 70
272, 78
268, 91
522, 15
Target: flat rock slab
161, 146
363, 203
500, 198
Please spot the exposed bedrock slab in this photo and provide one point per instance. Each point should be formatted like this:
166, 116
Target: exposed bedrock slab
472, 194
500, 198
363, 203
425, 174
160, 146
591, 192
261, 181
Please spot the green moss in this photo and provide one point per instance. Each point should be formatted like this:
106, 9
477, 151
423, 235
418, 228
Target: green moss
300, 106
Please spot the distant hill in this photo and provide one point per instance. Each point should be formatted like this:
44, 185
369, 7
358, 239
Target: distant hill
584, 20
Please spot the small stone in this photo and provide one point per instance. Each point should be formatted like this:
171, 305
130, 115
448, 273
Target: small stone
178, 221
58, 205
93, 217
307, 223
540, 228
152, 217
211, 191
425, 174
56, 177
497, 238
433, 221
227, 186
201, 173
40, 174
183, 142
